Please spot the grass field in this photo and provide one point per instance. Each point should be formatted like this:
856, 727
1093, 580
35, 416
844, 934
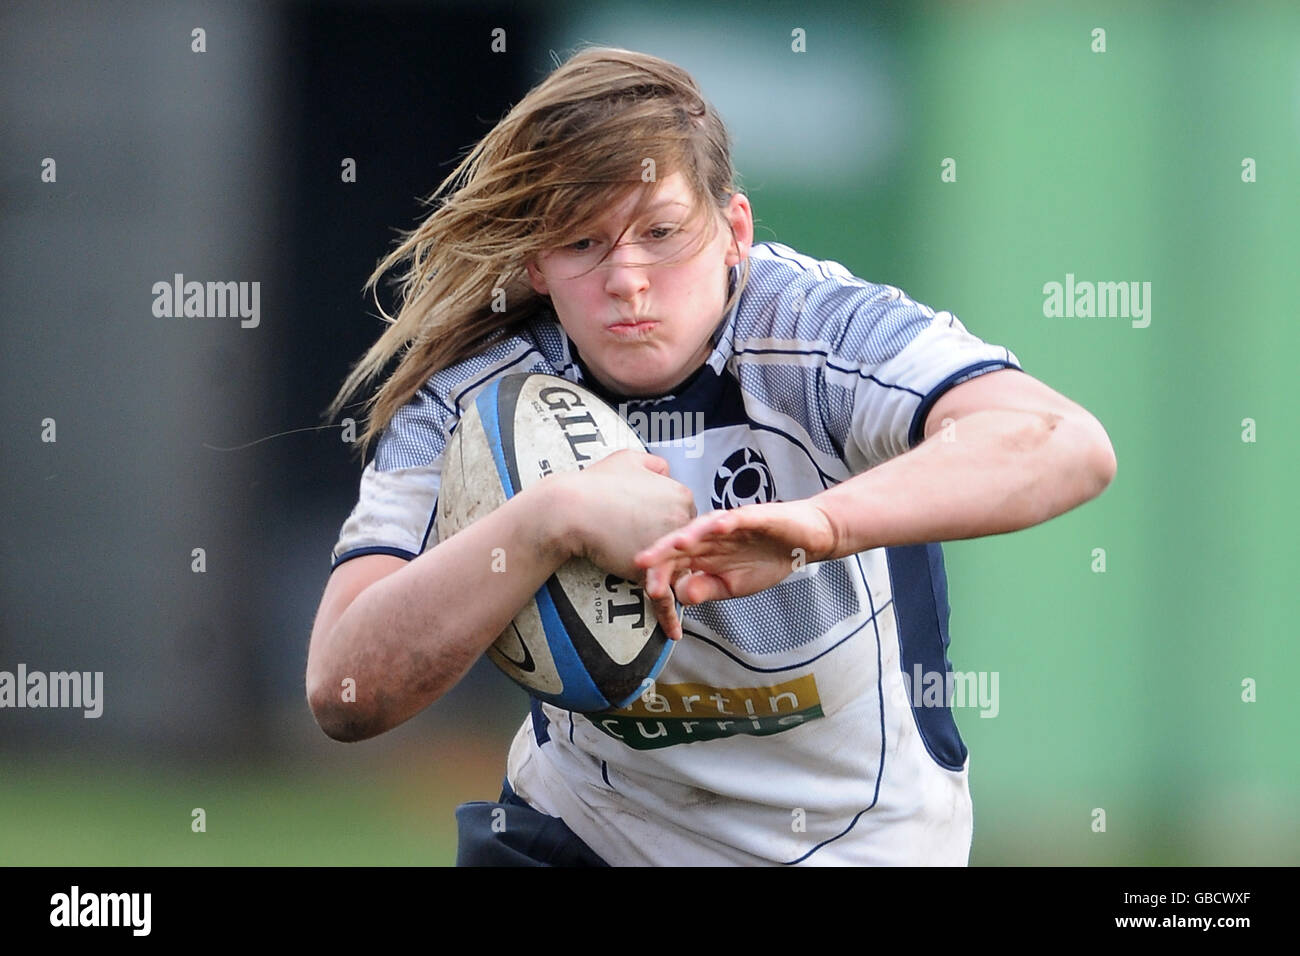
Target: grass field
378, 804
368, 813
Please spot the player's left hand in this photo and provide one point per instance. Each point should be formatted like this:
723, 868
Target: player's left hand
727, 554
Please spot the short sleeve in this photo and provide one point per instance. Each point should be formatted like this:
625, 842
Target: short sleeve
399, 487
893, 362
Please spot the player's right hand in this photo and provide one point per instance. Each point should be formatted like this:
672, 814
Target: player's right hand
619, 506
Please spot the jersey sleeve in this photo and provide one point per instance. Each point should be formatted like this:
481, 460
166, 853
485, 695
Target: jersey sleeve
399, 487
893, 359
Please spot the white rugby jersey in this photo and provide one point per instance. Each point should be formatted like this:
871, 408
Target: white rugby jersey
781, 730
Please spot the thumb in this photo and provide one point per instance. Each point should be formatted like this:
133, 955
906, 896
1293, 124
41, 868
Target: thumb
656, 464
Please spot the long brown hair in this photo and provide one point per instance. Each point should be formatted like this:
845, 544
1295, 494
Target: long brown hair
573, 147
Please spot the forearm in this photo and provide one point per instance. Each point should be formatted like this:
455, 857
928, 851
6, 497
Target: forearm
411, 636
992, 472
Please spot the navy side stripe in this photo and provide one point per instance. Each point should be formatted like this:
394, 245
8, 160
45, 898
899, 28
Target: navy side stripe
920, 586
541, 723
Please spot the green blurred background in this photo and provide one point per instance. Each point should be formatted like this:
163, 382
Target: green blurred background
1120, 691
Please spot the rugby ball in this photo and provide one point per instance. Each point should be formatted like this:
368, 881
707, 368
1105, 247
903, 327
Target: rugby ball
589, 640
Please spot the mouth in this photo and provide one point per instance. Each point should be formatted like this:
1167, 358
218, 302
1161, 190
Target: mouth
631, 328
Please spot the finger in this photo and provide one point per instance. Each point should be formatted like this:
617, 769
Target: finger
666, 550
665, 609
700, 586
659, 577
655, 554
683, 541
654, 581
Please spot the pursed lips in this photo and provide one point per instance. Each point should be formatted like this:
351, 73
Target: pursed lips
634, 326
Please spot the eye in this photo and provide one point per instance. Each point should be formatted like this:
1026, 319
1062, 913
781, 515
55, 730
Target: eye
662, 232
582, 245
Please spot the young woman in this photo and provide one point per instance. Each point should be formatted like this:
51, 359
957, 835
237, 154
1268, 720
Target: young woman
597, 233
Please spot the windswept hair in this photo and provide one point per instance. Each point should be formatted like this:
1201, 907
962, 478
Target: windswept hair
576, 145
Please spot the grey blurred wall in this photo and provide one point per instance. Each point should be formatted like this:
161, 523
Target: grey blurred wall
160, 164
203, 432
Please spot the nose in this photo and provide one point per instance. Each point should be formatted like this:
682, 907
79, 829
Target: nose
626, 271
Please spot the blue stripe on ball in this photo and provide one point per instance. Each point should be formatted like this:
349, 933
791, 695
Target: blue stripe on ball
579, 692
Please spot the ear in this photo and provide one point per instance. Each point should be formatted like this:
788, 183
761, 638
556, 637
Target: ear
536, 279
740, 217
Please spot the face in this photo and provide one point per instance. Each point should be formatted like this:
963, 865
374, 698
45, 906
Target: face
642, 312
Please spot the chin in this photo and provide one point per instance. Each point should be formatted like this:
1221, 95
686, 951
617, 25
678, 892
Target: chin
647, 377
639, 388
641, 385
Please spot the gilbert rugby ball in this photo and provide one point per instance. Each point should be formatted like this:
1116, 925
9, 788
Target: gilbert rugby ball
588, 641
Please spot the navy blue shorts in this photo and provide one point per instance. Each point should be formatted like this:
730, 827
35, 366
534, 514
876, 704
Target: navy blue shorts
511, 833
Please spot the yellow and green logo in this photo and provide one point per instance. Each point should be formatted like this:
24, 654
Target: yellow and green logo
671, 714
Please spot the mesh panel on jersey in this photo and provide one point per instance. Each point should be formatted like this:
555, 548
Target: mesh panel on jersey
550, 339
826, 307
818, 307
838, 408
792, 614
414, 436
417, 433
882, 327
790, 390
